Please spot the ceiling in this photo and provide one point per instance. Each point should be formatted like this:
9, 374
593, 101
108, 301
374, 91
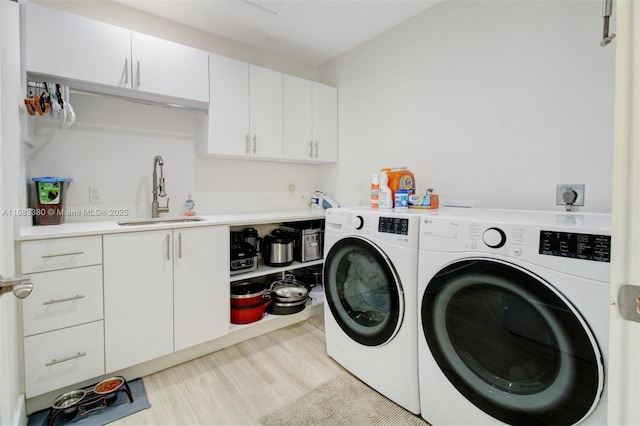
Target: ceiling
311, 32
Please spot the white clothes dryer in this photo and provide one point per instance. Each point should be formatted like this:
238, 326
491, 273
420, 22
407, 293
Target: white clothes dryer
370, 283
513, 317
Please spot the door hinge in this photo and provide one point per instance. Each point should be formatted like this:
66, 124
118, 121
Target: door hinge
629, 302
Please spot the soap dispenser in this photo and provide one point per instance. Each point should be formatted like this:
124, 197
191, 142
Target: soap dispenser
189, 206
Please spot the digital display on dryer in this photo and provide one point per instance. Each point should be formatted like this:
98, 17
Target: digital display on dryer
393, 225
574, 245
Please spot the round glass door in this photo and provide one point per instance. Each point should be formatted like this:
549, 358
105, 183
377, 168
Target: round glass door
363, 291
510, 344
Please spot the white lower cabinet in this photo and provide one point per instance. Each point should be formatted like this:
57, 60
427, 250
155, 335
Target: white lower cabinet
62, 317
62, 357
163, 291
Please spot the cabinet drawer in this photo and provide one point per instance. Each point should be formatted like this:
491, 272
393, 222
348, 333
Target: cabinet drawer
60, 253
61, 358
62, 299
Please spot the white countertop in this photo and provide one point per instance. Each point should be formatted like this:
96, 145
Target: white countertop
27, 233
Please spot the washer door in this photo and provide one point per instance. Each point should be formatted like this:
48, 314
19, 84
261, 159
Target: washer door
511, 344
363, 291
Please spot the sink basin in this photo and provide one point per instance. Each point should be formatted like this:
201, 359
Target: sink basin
159, 221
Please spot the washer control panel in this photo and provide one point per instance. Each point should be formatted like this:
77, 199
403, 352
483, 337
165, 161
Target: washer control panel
575, 245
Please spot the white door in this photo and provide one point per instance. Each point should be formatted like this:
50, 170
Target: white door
11, 400
265, 112
298, 116
138, 297
161, 66
82, 49
624, 363
325, 122
200, 285
229, 107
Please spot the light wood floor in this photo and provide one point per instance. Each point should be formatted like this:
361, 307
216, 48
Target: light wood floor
240, 384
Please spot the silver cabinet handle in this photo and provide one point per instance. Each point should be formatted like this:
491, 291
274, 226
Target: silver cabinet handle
68, 358
126, 71
71, 253
310, 149
168, 247
247, 143
255, 144
316, 150
66, 299
138, 75
180, 245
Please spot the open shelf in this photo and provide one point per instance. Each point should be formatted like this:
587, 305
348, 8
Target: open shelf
312, 308
267, 270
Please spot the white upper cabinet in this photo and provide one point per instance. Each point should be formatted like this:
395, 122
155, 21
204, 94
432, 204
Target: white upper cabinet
310, 120
325, 122
298, 118
167, 68
265, 112
245, 114
92, 55
229, 107
257, 113
65, 45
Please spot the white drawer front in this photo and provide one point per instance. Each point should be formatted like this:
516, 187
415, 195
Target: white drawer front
61, 358
62, 299
60, 253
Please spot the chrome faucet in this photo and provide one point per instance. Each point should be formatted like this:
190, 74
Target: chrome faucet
158, 188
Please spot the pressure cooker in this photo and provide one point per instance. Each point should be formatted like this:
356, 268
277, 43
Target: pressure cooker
277, 248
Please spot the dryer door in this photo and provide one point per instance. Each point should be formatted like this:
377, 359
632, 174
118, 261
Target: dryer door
511, 344
363, 291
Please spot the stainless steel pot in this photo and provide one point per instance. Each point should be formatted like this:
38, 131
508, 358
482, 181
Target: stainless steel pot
277, 248
288, 290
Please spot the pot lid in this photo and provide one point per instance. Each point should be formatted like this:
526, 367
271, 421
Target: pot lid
288, 287
246, 288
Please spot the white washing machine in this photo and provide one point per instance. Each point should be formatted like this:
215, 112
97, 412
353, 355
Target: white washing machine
513, 317
370, 284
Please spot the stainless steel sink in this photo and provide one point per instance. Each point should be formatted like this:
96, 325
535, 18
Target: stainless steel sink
159, 221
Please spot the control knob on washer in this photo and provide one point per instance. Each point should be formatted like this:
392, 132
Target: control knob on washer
359, 222
494, 237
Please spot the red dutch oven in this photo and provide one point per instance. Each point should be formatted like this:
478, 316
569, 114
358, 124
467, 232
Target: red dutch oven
249, 314
247, 294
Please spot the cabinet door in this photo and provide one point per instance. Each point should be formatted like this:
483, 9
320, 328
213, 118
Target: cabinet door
229, 107
61, 44
167, 68
138, 297
265, 112
298, 137
201, 285
325, 122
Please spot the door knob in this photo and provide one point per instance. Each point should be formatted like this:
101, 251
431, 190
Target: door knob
21, 287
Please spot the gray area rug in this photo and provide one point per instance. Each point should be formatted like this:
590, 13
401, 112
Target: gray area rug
343, 400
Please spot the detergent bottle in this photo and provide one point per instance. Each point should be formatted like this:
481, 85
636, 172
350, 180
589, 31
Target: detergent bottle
375, 190
385, 196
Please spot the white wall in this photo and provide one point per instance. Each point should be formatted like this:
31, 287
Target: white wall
113, 142
493, 101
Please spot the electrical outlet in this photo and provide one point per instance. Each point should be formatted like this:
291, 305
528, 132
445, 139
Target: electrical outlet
95, 196
564, 187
